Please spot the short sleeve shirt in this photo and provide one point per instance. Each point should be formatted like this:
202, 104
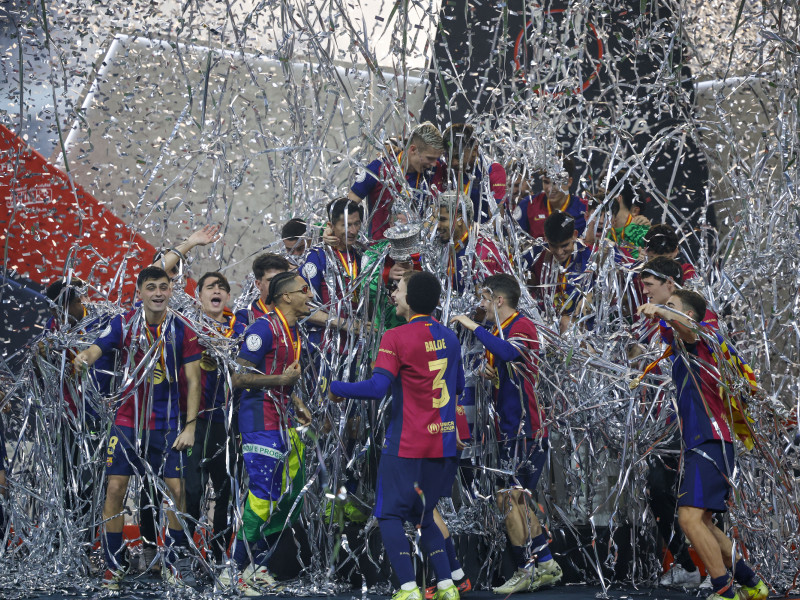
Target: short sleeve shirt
152, 357
268, 346
423, 360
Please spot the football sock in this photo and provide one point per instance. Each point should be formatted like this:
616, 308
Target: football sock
432, 543
396, 545
520, 555
240, 554
744, 575
174, 539
450, 548
541, 549
723, 586
112, 548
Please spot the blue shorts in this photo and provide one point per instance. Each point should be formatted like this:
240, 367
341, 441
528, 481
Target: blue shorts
451, 472
123, 457
526, 458
396, 495
705, 481
264, 455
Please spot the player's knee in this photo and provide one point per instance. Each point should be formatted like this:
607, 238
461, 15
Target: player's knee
689, 517
115, 491
174, 485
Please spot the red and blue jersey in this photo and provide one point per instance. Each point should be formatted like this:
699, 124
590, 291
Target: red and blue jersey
472, 185
271, 345
423, 360
256, 310
343, 272
213, 383
515, 355
102, 370
381, 182
475, 266
152, 357
531, 213
701, 405
562, 285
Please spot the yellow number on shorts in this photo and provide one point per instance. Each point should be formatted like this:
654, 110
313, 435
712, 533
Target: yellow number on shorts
112, 444
439, 383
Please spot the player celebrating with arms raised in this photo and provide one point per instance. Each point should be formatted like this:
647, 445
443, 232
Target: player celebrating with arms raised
421, 362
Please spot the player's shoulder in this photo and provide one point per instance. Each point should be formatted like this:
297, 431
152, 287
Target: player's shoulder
523, 323
577, 203
445, 332
315, 262
260, 328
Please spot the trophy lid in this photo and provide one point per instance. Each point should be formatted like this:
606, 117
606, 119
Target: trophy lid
404, 241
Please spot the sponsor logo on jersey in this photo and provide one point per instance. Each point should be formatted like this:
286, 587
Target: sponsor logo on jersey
446, 427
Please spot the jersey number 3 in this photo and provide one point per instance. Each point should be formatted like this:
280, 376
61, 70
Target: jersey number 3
439, 365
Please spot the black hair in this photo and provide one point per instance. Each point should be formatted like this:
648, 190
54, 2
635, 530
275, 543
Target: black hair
422, 292
293, 229
278, 284
626, 192
63, 294
506, 285
663, 268
269, 262
458, 137
661, 239
559, 227
337, 208
567, 166
151, 272
219, 277
693, 301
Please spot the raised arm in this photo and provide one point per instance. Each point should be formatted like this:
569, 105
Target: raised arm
201, 237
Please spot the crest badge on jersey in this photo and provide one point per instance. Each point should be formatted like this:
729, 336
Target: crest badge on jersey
309, 270
253, 342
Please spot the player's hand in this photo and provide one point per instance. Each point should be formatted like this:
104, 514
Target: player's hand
465, 321
399, 269
640, 220
635, 351
328, 237
649, 310
459, 444
489, 372
334, 398
207, 235
585, 306
292, 373
186, 438
301, 412
80, 363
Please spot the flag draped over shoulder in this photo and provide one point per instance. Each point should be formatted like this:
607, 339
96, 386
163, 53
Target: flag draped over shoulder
732, 372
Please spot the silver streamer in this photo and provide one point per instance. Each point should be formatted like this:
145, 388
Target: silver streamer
176, 115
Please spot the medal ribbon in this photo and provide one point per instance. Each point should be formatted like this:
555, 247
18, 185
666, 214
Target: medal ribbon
159, 342
496, 331
622, 233
296, 343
